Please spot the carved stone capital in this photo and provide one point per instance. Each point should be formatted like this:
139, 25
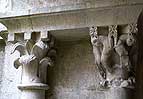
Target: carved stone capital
35, 57
115, 55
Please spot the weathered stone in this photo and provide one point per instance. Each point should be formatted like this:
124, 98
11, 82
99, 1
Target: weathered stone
74, 75
11, 37
35, 57
27, 35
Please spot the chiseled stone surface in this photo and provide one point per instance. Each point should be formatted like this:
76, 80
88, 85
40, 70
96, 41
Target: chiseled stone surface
74, 73
10, 76
2, 49
12, 8
67, 14
74, 76
75, 19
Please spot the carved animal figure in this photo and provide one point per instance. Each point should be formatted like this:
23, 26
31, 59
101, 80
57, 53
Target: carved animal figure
125, 41
102, 49
113, 72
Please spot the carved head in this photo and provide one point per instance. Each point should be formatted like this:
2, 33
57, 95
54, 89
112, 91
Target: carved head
130, 40
95, 41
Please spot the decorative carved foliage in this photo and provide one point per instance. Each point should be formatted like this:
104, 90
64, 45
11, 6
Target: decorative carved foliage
113, 34
19, 47
29, 45
113, 29
40, 49
113, 56
133, 28
35, 57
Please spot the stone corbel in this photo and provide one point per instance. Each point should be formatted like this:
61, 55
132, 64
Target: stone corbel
115, 55
35, 57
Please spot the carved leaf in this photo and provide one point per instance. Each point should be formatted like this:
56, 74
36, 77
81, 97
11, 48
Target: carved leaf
29, 45
18, 47
40, 49
17, 63
46, 62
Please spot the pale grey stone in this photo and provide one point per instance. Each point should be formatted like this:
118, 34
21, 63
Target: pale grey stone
74, 75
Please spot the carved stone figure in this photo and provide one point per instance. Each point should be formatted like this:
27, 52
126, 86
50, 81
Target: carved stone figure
102, 49
108, 50
123, 70
125, 40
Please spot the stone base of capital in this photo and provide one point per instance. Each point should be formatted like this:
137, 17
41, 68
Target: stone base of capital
33, 90
33, 86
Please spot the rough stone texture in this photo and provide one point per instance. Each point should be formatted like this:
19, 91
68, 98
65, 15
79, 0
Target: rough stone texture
62, 14
76, 77
10, 76
13, 8
2, 49
75, 19
73, 77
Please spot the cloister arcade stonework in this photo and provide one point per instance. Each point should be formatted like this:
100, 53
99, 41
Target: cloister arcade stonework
71, 49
